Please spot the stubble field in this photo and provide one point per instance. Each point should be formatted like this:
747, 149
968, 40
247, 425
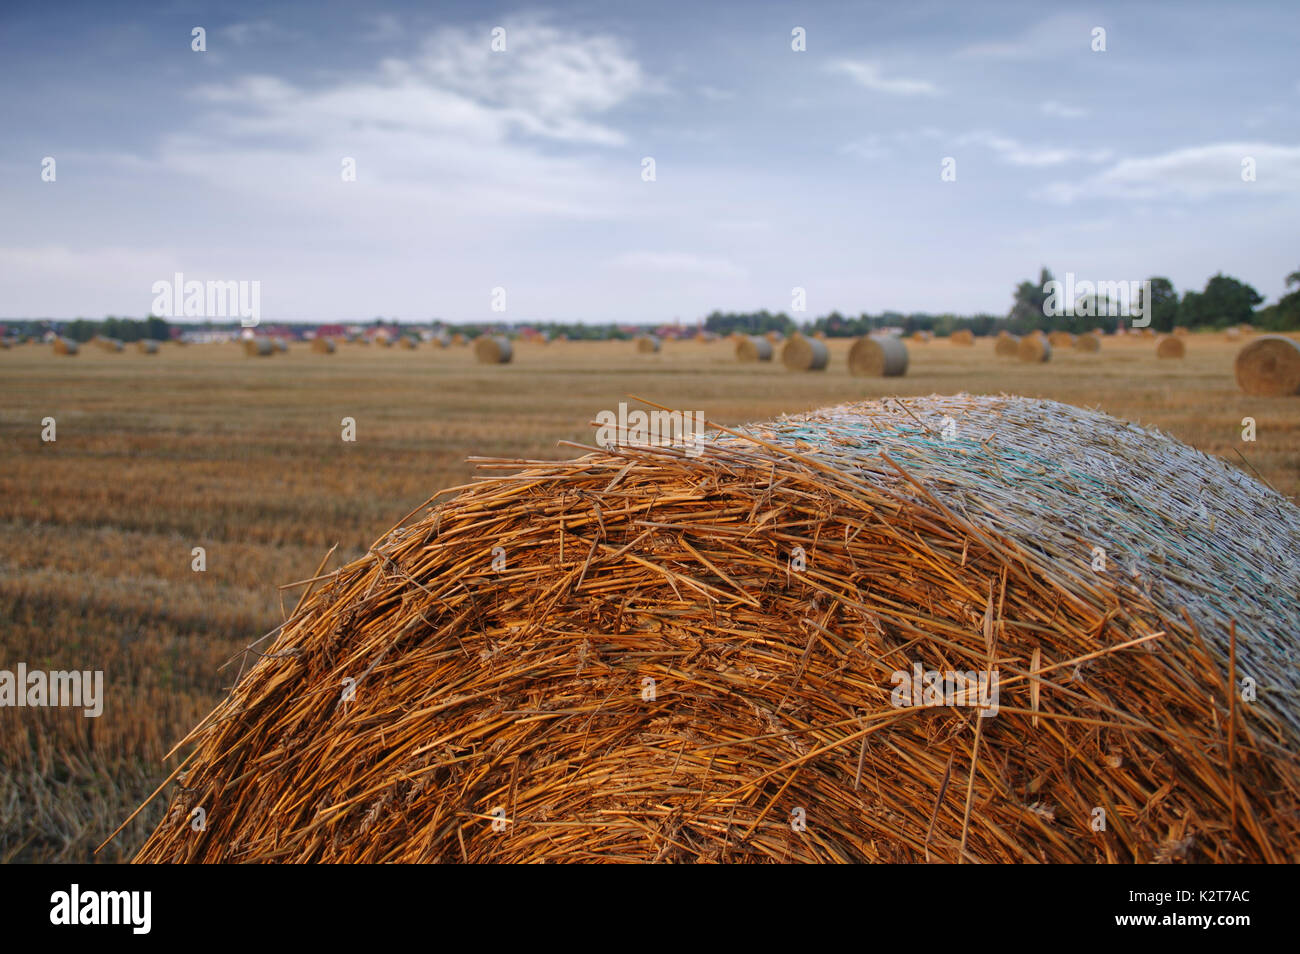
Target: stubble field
200, 446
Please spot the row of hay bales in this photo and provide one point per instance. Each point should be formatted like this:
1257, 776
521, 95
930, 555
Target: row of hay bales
67, 347
870, 355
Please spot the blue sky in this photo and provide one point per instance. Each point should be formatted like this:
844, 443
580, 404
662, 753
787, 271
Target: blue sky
522, 169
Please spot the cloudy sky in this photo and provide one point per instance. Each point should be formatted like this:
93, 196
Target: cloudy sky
525, 169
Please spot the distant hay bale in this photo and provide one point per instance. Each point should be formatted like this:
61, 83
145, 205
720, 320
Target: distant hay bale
442, 340
322, 345
147, 346
1088, 341
1232, 334
382, 340
6, 343
280, 344
1007, 345
878, 356
110, 344
407, 342
647, 344
459, 339
1061, 339
1170, 346
819, 335
1034, 348
805, 354
1146, 333
258, 347
775, 337
942, 640
1269, 367
753, 348
962, 336
493, 349
65, 346
1181, 330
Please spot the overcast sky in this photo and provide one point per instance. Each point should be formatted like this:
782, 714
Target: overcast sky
523, 169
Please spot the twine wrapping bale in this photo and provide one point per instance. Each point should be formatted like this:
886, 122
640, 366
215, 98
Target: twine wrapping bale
147, 346
1061, 339
647, 344
1170, 346
258, 347
1269, 367
322, 345
805, 354
1007, 345
1088, 341
493, 349
962, 336
667, 654
65, 346
878, 356
753, 348
1035, 348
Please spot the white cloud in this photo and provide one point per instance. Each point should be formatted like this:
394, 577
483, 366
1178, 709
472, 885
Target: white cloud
1197, 172
1019, 154
680, 263
871, 76
1053, 108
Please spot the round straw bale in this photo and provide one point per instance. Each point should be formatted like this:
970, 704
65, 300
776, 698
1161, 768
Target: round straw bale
962, 336
1146, 333
322, 345
1181, 330
878, 356
647, 344
1232, 334
775, 337
258, 347
459, 339
407, 342
280, 344
1088, 341
805, 354
1035, 348
1170, 346
1269, 367
1007, 345
753, 348
494, 722
147, 346
820, 335
493, 349
1061, 339
6, 343
65, 346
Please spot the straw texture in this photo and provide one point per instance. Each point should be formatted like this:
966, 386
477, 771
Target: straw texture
671, 657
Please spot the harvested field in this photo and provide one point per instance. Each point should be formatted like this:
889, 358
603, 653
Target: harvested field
200, 447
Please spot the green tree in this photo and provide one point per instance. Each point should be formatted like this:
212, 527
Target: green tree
1225, 301
1027, 302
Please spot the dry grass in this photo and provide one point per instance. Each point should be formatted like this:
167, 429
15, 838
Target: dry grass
199, 447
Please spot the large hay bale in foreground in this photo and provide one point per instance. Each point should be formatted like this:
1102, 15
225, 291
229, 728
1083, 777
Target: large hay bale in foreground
805, 354
258, 347
962, 336
493, 349
1007, 345
647, 344
322, 345
753, 348
1269, 367
878, 356
1034, 347
1170, 346
1088, 341
647, 655
65, 346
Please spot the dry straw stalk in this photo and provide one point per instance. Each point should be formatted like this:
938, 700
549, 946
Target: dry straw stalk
667, 655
